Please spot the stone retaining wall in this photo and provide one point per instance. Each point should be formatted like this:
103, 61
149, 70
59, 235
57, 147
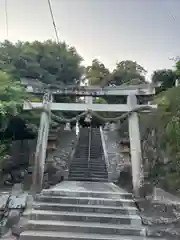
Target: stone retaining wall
117, 157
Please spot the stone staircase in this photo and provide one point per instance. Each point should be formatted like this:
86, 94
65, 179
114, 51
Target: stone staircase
79, 165
97, 165
88, 163
86, 211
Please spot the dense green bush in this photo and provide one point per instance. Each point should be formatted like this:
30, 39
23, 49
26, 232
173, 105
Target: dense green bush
166, 124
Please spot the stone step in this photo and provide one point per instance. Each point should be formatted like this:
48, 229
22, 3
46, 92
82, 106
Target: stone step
96, 151
83, 145
78, 163
80, 168
87, 179
83, 227
97, 162
86, 217
98, 168
81, 155
96, 138
90, 165
90, 176
82, 208
87, 170
90, 202
99, 175
78, 172
95, 166
95, 194
96, 156
82, 149
98, 171
96, 144
85, 159
85, 164
78, 176
47, 235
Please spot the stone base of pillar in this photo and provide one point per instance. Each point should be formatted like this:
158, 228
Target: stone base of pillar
145, 192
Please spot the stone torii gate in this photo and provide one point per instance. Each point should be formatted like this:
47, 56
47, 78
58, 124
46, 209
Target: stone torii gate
134, 133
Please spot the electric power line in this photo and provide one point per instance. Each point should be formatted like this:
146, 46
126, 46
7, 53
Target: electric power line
53, 21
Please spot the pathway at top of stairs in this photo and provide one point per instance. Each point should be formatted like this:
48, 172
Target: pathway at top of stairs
84, 211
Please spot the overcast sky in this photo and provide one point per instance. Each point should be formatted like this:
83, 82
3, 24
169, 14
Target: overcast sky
147, 31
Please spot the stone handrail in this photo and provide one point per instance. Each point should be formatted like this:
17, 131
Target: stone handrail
71, 155
89, 147
105, 153
104, 147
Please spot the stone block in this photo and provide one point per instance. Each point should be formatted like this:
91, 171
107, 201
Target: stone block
18, 228
3, 201
18, 202
27, 181
17, 189
3, 227
13, 217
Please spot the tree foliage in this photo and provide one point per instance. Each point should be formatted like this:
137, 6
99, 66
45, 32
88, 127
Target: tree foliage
128, 72
178, 69
97, 74
11, 98
11, 94
161, 137
47, 61
166, 77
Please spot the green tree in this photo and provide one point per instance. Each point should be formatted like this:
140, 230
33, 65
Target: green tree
12, 94
178, 68
128, 72
97, 74
166, 77
160, 131
47, 61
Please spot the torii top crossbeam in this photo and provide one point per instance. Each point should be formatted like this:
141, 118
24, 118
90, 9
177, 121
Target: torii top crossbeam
80, 107
123, 90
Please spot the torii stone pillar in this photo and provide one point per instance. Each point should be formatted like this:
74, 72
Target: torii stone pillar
41, 147
135, 146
